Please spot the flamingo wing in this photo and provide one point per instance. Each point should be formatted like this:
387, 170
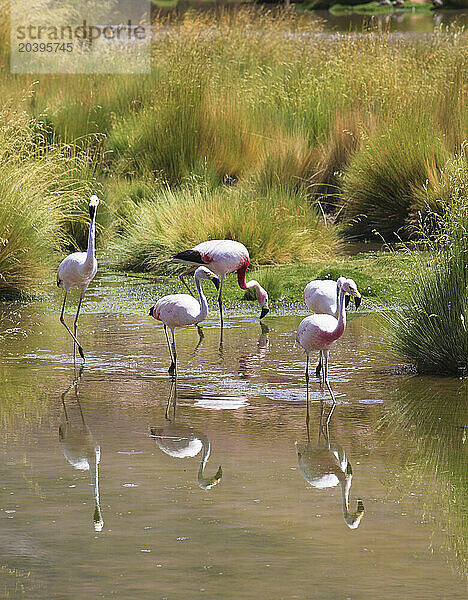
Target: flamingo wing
320, 296
177, 310
220, 256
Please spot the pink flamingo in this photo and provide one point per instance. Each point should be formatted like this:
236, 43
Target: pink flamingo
321, 297
179, 310
79, 269
223, 257
319, 332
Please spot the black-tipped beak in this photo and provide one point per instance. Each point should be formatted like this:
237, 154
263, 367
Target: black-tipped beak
151, 312
215, 280
265, 311
357, 301
346, 301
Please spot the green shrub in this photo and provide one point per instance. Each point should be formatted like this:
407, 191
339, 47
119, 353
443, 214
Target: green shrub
380, 185
432, 331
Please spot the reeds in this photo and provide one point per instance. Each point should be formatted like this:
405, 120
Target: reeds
38, 196
432, 332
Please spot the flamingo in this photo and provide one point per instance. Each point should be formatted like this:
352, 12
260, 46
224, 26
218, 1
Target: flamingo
326, 465
321, 297
179, 310
79, 269
223, 257
183, 441
82, 451
319, 332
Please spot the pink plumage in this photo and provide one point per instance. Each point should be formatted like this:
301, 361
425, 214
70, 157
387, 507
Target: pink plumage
318, 332
223, 257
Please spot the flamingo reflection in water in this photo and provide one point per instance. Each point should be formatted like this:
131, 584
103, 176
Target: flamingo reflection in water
325, 465
81, 450
182, 441
248, 363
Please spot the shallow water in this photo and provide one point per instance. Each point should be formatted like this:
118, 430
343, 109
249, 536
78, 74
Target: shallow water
262, 531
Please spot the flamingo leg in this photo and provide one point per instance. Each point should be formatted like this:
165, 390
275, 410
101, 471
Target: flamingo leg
188, 271
172, 367
220, 304
174, 354
307, 393
75, 323
172, 399
319, 365
201, 337
62, 320
325, 369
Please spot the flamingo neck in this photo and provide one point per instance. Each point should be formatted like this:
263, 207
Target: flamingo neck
205, 483
241, 277
352, 520
341, 323
91, 241
203, 304
97, 518
204, 459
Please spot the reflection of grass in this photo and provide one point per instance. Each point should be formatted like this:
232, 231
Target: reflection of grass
432, 418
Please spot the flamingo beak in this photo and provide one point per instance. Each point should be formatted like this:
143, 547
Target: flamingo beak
357, 301
265, 311
151, 312
215, 280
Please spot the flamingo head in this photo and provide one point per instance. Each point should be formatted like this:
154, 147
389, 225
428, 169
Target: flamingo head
350, 288
204, 273
93, 204
262, 299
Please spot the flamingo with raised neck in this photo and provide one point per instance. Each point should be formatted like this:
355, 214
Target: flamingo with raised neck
78, 270
319, 332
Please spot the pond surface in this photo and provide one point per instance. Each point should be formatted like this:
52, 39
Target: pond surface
155, 525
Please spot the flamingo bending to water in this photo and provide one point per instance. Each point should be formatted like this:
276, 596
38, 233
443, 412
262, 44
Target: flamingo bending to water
179, 310
223, 257
319, 332
321, 297
79, 269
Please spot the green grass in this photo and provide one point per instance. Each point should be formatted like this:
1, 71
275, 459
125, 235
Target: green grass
384, 278
39, 196
432, 331
385, 176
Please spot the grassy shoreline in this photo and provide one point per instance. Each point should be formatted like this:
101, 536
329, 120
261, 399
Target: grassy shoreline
383, 278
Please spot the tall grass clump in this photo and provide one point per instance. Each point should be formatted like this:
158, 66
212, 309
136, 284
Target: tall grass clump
432, 332
277, 227
381, 183
38, 195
